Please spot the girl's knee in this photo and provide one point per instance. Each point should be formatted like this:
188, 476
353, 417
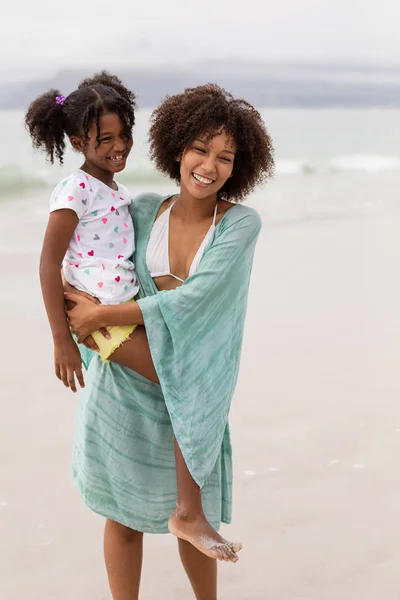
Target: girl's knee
126, 534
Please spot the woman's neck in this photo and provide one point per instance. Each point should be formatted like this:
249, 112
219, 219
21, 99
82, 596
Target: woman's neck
193, 209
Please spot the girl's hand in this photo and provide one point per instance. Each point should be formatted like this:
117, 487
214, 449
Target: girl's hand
85, 316
68, 363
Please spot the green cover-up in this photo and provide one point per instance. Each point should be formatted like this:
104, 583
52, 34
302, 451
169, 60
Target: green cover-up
123, 458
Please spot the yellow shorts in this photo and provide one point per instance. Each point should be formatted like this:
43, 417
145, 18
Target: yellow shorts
119, 334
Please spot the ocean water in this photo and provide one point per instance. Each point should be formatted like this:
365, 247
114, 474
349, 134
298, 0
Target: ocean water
328, 163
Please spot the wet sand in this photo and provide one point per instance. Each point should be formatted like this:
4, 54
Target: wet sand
315, 425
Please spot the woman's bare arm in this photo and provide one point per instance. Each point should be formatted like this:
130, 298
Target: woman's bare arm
69, 305
85, 318
135, 352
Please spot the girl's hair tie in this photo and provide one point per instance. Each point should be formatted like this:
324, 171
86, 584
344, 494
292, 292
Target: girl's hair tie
60, 100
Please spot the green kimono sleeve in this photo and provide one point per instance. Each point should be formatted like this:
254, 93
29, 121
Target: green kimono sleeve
195, 335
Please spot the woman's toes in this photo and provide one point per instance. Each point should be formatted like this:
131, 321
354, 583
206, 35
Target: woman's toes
236, 546
233, 557
221, 553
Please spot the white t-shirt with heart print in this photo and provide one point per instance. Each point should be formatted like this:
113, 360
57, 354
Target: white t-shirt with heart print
98, 257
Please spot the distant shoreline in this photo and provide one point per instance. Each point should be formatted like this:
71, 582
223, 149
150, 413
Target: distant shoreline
265, 85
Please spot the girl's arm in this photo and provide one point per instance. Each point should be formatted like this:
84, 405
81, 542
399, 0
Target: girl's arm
67, 359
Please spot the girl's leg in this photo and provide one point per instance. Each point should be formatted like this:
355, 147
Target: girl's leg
123, 550
188, 521
201, 570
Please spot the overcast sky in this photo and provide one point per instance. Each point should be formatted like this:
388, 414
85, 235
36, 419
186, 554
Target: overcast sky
42, 36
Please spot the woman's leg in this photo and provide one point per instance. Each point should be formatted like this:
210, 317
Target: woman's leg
188, 521
123, 550
201, 570
135, 354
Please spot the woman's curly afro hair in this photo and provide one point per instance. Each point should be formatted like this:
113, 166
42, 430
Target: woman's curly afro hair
205, 111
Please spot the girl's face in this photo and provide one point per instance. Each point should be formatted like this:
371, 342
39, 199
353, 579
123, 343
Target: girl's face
114, 148
207, 165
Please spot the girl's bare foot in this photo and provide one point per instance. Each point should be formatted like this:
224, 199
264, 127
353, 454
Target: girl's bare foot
198, 531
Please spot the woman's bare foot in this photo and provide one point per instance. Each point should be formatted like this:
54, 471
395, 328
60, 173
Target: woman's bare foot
198, 531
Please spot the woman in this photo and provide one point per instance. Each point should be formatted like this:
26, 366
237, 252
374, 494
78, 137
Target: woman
194, 254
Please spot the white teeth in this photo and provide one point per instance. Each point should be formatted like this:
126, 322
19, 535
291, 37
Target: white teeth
116, 157
202, 179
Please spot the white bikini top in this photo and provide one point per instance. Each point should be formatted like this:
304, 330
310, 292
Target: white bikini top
157, 254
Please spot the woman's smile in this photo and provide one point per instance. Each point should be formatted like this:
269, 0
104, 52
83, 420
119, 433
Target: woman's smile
201, 180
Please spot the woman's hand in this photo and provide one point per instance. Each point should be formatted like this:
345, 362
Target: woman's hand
68, 288
89, 341
85, 317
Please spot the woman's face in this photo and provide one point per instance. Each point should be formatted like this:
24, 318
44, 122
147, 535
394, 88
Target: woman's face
207, 165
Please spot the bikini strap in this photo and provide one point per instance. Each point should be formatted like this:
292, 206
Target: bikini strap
215, 214
169, 209
166, 214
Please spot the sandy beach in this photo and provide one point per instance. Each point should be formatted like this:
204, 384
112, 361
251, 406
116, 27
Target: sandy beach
315, 426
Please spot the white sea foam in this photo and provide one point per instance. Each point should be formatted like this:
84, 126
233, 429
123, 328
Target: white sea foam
14, 179
293, 167
366, 163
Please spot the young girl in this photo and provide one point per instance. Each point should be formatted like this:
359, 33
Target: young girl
90, 230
